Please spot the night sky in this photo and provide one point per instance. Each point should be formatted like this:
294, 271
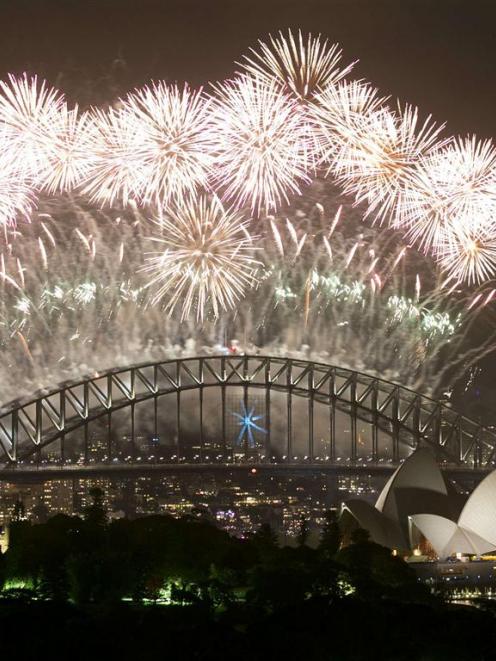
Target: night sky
438, 54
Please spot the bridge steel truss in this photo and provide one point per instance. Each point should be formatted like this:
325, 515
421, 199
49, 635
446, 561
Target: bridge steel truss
406, 416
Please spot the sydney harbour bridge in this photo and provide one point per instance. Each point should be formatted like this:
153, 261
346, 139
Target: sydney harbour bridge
233, 411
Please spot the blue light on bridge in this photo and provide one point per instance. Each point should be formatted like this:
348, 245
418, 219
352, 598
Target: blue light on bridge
247, 420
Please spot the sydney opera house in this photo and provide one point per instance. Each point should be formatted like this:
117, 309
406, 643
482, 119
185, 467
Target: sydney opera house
418, 508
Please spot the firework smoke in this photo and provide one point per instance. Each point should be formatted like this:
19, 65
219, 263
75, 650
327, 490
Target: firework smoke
65, 314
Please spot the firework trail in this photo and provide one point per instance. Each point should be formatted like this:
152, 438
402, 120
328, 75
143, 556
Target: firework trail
340, 113
375, 164
174, 144
382, 157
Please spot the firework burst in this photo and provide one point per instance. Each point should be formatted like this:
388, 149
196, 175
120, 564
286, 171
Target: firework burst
207, 258
29, 109
255, 142
468, 255
67, 151
176, 146
265, 148
453, 193
377, 162
156, 146
64, 313
300, 66
16, 198
116, 174
340, 114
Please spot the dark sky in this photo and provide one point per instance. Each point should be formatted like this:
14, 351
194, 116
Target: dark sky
439, 54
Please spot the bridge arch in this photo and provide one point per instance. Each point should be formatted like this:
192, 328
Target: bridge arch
370, 407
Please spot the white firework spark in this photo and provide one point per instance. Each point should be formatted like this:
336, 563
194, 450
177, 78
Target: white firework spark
300, 66
255, 142
207, 258
116, 174
380, 157
67, 150
29, 109
468, 257
453, 189
16, 198
84, 310
175, 150
341, 113
265, 148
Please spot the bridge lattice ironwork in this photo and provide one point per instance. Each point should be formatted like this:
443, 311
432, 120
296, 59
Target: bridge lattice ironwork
407, 418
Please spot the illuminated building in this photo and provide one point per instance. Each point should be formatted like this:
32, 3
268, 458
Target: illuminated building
416, 487
472, 533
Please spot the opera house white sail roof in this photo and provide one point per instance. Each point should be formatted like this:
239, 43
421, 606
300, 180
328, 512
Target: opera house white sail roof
416, 487
474, 532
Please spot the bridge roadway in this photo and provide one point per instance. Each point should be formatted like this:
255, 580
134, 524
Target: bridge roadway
36, 473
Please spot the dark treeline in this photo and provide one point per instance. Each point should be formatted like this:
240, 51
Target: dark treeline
159, 587
89, 559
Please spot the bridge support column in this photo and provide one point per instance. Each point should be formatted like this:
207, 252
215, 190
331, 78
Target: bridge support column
332, 429
109, 437
310, 426
202, 450
310, 414
86, 443
133, 437
155, 416
245, 405
268, 393
62, 425
374, 422
353, 419
178, 424
395, 415
268, 447
223, 413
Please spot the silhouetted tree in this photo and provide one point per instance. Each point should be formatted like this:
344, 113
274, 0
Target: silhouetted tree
22, 557
265, 542
56, 541
41, 513
303, 532
18, 513
360, 536
331, 536
95, 514
284, 581
376, 573
92, 561
3, 569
